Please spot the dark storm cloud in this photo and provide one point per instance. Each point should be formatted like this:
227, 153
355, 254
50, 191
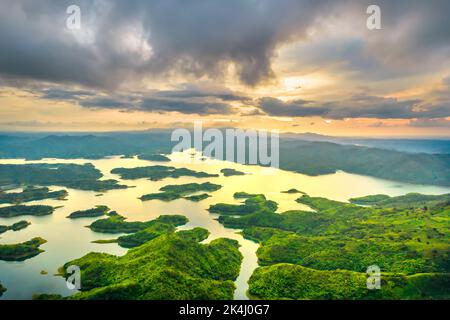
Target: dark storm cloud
125, 41
184, 106
63, 94
296, 108
225, 96
106, 102
362, 106
150, 104
188, 37
183, 101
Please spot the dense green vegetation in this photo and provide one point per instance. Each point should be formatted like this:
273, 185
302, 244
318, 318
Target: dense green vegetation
173, 192
251, 204
243, 195
90, 213
289, 281
172, 266
198, 197
83, 177
315, 158
23, 210
116, 223
21, 251
153, 157
15, 227
409, 200
231, 172
153, 229
31, 194
406, 237
155, 173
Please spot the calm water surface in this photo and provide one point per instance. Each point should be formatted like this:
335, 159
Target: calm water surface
69, 239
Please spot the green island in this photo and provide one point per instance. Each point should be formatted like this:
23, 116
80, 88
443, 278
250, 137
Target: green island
243, 195
75, 176
198, 197
21, 251
32, 193
325, 254
173, 266
2, 289
251, 204
156, 173
231, 172
15, 227
173, 192
116, 223
23, 210
98, 211
153, 157
293, 191
154, 228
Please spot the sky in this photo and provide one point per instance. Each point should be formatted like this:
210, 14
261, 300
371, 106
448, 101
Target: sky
290, 65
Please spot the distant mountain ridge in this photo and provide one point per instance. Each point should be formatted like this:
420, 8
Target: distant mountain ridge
299, 153
428, 145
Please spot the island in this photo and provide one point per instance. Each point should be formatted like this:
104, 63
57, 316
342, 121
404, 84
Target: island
89, 213
75, 176
154, 228
153, 157
251, 204
308, 255
293, 191
243, 195
198, 197
116, 223
231, 172
15, 227
23, 210
32, 193
21, 251
172, 266
173, 192
158, 172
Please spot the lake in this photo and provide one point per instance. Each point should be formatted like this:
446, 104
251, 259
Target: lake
69, 239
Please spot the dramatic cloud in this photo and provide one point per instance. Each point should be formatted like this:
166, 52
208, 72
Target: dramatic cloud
62, 94
362, 106
296, 108
230, 57
122, 40
182, 101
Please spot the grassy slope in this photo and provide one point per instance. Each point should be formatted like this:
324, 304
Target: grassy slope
171, 266
409, 240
